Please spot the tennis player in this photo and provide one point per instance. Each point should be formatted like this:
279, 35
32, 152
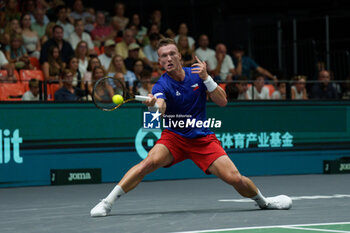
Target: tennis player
182, 91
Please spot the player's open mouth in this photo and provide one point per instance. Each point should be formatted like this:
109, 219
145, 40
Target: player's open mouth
170, 65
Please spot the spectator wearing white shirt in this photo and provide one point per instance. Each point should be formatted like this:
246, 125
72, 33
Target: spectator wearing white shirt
33, 93
183, 31
4, 64
63, 22
258, 91
79, 35
220, 65
203, 52
106, 57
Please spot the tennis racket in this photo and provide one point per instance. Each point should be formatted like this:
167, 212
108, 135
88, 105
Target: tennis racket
104, 90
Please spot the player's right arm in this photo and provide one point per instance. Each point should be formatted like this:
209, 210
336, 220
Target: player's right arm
160, 103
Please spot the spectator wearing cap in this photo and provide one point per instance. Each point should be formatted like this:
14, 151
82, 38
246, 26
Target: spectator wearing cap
106, 57
133, 55
245, 65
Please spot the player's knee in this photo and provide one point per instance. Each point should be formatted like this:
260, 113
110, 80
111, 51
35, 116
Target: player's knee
234, 178
147, 166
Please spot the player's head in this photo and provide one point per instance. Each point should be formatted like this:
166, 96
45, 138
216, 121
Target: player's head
168, 55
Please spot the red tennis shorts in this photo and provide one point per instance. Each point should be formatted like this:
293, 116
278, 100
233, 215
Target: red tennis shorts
202, 151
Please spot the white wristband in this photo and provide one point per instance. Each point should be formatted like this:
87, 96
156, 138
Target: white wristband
210, 84
153, 108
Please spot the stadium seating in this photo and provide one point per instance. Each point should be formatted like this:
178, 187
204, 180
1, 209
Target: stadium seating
26, 75
35, 62
11, 91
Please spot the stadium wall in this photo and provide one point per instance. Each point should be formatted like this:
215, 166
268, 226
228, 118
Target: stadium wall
262, 138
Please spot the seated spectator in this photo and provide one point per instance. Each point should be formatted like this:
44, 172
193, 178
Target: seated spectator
106, 57
68, 92
258, 91
141, 30
117, 33
183, 31
97, 73
245, 65
13, 27
62, 20
101, 32
298, 90
146, 84
138, 68
73, 66
4, 64
17, 54
122, 47
79, 13
280, 93
9, 13
82, 54
87, 78
33, 93
150, 50
133, 55
187, 53
152, 30
220, 65
48, 32
31, 40
119, 10
237, 90
323, 89
39, 24
203, 52
118, 66
54, 65
79, 35
66, 50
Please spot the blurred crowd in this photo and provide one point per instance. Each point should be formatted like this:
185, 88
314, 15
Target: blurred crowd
75, 46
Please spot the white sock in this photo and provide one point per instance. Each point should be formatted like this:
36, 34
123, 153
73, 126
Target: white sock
260, 199
115, 194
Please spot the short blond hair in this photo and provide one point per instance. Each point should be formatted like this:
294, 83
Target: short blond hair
165, 42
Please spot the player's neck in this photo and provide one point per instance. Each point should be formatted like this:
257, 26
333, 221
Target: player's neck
178, 75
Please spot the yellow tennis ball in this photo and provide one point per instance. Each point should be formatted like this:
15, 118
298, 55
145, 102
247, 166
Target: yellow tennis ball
117, 99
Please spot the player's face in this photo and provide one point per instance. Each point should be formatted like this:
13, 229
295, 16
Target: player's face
169, 57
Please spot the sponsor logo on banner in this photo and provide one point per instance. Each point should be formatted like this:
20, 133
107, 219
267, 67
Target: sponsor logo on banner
10, 146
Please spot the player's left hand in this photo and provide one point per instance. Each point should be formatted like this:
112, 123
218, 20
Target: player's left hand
200, 68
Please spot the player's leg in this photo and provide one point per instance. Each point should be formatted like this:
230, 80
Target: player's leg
159, 156
225, 169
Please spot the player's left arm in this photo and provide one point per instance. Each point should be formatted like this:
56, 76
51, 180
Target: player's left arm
216, 93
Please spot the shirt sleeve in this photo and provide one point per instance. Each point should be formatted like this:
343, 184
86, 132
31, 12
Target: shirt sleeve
158, 91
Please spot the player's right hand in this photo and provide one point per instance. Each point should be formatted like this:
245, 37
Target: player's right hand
151, 102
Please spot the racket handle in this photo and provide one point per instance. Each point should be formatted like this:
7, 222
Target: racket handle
142, 98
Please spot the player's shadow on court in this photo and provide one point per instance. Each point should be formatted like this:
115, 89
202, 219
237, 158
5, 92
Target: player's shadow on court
196, 211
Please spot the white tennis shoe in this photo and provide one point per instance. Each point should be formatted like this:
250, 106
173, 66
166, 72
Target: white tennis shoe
103, 208
281, 202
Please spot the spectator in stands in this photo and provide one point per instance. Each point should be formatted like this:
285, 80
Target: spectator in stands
258, 91
97, 73
109, 52
68, 92
156, 18
82, 54
245, 65
79, 35
118, 66
66, 50
237, 90
298, 90
62, 20
87, 79
323, 89
33, 93
73, 65
280, 92
11, 12
187, 53
122, 47
48, 33
203, 52
101, 32
138, 68
54, 65
11, 28
31, 40
150, 50
4, 64
141, 29
79, 13
117, 33
152, 30
146, 84
183, 31
119, 10
17, 54
39, 24
220, 65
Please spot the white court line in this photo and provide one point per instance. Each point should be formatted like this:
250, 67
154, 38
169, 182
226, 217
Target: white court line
315, 229
265, 227
315, 197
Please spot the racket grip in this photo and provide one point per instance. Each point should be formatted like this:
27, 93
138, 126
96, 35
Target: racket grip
142, 98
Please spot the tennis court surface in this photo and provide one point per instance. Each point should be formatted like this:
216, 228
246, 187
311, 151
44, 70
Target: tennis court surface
321, 203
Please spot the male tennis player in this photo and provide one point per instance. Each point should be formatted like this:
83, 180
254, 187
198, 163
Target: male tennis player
182, 91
